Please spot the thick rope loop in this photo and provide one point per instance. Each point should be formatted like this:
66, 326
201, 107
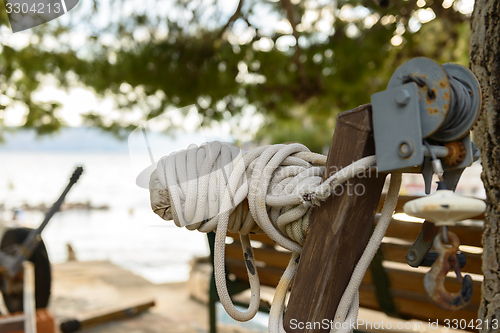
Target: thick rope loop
271, 189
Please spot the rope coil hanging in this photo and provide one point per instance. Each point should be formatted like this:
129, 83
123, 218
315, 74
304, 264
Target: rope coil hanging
271, 189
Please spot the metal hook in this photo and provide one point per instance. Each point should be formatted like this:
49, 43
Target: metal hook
434, 279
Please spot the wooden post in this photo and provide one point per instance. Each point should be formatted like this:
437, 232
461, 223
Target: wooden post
103, 317
29, 297
339, 229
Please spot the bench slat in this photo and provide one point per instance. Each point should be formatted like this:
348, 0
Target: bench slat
410, 302
396, 252
412, 280
406, 231
270, 257
263, 238
401, 280
468, 234
416, 308
268, 276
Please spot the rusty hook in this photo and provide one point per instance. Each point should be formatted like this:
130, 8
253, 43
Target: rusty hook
434, 279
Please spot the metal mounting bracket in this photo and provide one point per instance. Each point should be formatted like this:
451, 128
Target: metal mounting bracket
397, 129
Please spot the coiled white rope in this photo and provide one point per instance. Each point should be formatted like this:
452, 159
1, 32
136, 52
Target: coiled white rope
271, 189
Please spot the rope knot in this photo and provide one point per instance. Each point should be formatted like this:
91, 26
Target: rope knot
255, 191
271, 189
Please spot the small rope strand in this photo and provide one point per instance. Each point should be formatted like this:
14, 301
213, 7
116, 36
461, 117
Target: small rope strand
278, 304
348, 304
347, 311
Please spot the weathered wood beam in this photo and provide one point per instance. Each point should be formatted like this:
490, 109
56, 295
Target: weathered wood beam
339, 229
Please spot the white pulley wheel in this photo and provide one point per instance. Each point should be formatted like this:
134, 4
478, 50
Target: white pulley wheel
445, 208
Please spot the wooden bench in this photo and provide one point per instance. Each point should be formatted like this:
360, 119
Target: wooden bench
399, 289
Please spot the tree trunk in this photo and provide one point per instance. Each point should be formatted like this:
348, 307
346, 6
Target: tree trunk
485, 61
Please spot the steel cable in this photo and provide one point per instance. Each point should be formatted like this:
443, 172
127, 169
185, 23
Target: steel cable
461, 111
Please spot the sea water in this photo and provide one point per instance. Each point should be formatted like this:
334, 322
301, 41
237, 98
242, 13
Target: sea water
128, 233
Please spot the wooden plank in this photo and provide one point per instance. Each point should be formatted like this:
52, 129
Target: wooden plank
401, 201
268, 276
396, 252
270, 257
12, 323
339, 228
29, 297
407, 231
468, 234
262, 238
407, 279
412, 281
413, 307
407, 284
104, 316
407, 228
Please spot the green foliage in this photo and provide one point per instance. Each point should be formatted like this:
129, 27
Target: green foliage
228, 64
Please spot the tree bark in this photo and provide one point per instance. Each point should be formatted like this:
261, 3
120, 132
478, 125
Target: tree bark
485, 62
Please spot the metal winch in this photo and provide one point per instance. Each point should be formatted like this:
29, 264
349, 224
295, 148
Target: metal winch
426, 110
422, 124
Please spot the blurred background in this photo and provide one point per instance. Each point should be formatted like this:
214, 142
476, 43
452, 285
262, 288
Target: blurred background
257, 72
